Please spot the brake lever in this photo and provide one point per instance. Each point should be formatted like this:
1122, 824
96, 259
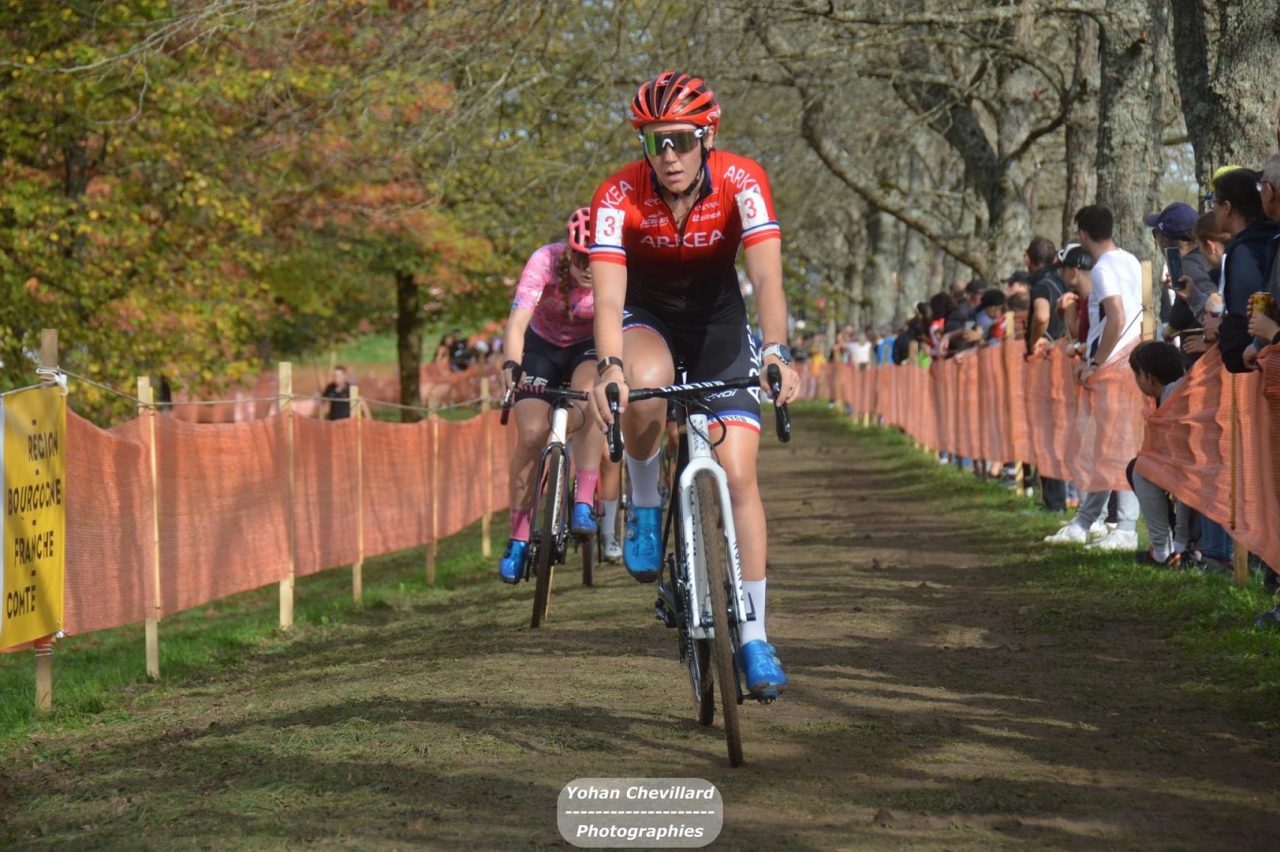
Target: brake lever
509, 397
615, 428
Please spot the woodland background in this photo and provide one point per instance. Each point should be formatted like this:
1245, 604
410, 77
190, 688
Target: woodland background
199, 187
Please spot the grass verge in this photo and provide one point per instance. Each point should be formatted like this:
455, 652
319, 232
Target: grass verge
1205, 618
98, 675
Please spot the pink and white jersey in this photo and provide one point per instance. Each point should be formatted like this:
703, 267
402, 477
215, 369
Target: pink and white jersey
557, 320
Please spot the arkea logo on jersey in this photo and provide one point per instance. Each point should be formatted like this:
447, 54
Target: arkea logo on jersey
617, 193
693, 239
741, 178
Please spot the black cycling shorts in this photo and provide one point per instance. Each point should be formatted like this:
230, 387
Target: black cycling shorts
547, 365
721, 350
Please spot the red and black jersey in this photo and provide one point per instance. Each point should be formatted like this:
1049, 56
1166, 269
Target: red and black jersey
674, 269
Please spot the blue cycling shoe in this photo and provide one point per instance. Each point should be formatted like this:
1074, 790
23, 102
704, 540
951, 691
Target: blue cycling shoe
765, 678
642, 551
583, 520
511, 568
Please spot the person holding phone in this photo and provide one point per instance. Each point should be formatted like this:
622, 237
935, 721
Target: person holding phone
1195, 287
1172, 228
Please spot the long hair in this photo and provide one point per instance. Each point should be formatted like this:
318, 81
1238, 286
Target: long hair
564, 279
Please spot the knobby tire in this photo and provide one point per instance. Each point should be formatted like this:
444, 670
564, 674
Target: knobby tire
550, 498
713, 551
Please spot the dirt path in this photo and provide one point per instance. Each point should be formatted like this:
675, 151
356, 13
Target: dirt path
931, 706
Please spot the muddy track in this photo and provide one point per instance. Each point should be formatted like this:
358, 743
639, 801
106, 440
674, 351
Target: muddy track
931, 706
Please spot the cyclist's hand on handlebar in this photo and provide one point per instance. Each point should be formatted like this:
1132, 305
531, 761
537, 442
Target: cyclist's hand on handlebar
508, 376
790, 381
600, 401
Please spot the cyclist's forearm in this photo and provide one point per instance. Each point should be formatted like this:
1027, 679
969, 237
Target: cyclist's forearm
513, 337
609, 281
764, 270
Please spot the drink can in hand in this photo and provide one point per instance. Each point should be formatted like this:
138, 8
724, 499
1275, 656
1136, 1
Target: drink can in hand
1262, 304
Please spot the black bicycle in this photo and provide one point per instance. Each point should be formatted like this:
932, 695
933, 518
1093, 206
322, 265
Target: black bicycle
701, 594
549, 534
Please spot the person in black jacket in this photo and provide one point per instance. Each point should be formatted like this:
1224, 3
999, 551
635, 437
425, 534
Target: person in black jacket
1238, 206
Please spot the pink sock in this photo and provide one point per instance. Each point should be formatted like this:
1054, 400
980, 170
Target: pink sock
585, 492
520, 519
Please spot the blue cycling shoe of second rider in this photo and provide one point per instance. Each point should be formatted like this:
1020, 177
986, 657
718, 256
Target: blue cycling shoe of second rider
511, 568
765, 678
582, 521
642, 551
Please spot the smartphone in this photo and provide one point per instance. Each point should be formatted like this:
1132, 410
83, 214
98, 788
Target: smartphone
1173, 261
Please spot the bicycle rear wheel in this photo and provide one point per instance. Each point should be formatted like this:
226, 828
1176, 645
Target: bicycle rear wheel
712, 550
549, 514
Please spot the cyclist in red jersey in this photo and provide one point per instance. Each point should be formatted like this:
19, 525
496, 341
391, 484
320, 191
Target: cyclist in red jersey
665, 238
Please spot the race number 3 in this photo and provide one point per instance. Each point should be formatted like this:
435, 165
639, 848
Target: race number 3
751, 208
609, 227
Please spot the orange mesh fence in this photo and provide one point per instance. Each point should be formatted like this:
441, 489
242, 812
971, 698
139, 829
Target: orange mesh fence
464, 489
1108, 426
326, 494
224, 508
1189, 448
397, 486
991, 404
109, 532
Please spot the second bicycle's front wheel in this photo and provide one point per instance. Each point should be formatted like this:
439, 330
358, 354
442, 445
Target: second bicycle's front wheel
549, 515
714, 553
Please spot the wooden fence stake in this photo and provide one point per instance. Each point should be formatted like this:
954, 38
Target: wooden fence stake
44, 674
146, 408
486, 523
357, 570
1010, 340
1150, 302
286, 413
433, 417
44, 647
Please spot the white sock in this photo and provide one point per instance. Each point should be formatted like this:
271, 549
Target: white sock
1161, 552
608, 516
644, 480
753, 599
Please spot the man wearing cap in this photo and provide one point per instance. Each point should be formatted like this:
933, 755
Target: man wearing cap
1173, 227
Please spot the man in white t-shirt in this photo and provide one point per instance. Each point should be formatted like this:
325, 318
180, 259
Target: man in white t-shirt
1115, 309
860, 351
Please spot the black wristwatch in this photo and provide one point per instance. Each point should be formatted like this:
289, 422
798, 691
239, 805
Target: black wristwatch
603, 365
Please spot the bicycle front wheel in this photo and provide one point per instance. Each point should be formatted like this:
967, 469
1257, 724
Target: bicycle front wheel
550, 517
713, 551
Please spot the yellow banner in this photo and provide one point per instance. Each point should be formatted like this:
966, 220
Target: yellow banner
34, 432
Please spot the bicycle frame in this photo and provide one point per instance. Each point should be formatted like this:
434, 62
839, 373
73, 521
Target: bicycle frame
558, 535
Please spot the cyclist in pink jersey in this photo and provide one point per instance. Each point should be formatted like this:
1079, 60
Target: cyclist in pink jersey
666, 234
549, 336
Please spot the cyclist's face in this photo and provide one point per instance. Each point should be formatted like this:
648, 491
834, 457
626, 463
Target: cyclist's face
580, 270
676, 170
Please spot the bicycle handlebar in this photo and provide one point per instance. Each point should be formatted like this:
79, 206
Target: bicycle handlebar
772, 374
540, 390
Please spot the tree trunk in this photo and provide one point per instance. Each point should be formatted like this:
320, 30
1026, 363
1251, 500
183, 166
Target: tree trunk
409, 344
1082, 127
1130, 117
878, 296
1229, 100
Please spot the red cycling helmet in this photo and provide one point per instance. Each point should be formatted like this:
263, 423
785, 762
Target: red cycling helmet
579, 227
675, 96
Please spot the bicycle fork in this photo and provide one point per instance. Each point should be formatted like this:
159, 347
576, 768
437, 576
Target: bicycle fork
697, 594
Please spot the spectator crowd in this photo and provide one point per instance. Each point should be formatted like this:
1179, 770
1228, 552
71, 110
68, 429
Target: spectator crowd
1219, 291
